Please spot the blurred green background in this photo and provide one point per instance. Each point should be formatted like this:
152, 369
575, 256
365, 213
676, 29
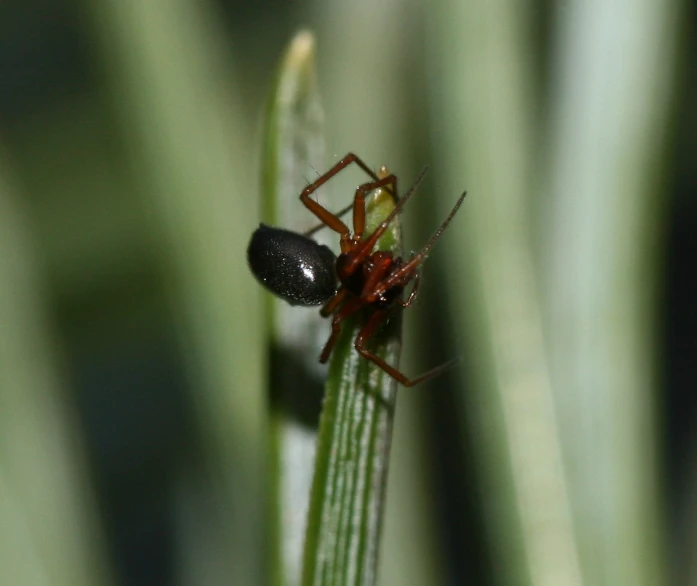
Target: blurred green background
132, 364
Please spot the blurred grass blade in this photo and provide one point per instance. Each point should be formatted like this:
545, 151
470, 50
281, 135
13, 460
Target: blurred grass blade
605, 214
184, 122
48, 527
483, 114
348, 489
293, 149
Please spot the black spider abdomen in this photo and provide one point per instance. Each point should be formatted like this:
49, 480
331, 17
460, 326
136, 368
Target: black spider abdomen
292, 266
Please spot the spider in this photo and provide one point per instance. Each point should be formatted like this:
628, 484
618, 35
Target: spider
303, 272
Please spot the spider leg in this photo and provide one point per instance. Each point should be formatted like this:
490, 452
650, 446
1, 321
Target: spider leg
323, 214
331, 305
380, 263
365, 247
413, 263
358, 204
373, 324
413, 294
348, 309
319, 226
359, 201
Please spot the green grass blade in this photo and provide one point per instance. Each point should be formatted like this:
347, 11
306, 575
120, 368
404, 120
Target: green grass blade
606, 211
348, 490
562, 405
486, 141
49, 531
293, 149
187, 132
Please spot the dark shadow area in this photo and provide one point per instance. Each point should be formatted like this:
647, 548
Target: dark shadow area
452, 465
678, 321
295, 390
139, 433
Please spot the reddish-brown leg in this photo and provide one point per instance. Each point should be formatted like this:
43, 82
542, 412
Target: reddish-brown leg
358, 205
380, 263
414, 262
361, 251
331, 305
321, 225
373, 324
413, 294
348, 309
325, 216
359, 201
340, 213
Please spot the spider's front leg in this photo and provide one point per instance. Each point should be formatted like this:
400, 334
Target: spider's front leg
324, 215
389, 181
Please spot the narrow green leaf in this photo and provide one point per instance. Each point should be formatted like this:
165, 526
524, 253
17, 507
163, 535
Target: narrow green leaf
185, 129
347, 501
49, 530
292, 151
603, 249
488, 133
561, 406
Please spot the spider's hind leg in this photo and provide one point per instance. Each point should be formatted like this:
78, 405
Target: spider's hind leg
372, 326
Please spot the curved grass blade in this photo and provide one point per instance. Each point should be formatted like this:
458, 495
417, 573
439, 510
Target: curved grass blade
293, 149
347, 500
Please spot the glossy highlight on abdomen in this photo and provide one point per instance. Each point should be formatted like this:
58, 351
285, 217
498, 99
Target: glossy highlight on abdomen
292, 266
